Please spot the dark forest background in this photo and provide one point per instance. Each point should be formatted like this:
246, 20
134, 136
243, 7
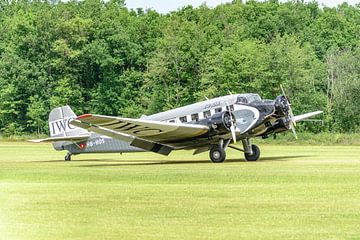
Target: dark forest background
100, 57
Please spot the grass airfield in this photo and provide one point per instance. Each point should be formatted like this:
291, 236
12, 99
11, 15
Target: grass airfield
293, 192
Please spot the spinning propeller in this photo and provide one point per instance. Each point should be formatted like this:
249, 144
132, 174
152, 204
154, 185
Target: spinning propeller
290, 114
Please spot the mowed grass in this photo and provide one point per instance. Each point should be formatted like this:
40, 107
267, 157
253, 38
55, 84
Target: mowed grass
293, 192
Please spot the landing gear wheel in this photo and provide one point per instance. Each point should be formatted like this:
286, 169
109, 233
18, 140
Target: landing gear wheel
217, 154
255, 156
68, 157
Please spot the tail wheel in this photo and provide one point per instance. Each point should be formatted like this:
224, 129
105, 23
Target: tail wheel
68, 157
255, 156
217, 154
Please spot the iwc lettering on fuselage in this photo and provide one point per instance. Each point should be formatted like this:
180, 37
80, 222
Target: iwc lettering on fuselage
133, 128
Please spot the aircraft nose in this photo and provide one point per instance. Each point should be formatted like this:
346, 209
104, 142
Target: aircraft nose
282, 107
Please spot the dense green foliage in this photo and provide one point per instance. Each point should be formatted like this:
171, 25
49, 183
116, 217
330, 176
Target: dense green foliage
98, 56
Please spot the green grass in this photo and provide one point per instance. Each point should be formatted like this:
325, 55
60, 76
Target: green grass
309, 138
294, 192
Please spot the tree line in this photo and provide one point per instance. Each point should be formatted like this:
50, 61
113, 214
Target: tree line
100, 57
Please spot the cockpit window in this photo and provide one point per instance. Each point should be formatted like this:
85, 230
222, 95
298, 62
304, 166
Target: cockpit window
254, 98
248, 99
241, 100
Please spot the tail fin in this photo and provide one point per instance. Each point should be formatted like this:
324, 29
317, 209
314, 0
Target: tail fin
59, 123
61, 131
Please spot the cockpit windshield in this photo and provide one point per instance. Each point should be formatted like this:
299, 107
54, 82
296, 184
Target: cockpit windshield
248, 98
241, 100
254, 98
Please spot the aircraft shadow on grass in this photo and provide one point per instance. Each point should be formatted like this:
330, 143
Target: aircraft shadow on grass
120, 163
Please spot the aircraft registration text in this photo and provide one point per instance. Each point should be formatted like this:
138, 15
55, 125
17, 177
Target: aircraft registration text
96, 142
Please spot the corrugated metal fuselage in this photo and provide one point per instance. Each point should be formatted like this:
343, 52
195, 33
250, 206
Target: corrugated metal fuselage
100, 144
246, 117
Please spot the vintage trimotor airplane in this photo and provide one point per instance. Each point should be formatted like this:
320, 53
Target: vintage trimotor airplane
211, 125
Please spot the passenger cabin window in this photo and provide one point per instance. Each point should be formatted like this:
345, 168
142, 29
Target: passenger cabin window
231, 107
207, 114
172, 121
217, 110
183, 119
195, 117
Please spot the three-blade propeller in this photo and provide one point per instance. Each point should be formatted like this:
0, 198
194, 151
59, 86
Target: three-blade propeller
291, 117
290, 114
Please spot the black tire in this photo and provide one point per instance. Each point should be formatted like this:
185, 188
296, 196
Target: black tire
68, 157
217, 154
255, 156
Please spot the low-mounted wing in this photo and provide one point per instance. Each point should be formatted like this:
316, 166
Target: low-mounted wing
301, 117
146, 129
150, 135
61, 139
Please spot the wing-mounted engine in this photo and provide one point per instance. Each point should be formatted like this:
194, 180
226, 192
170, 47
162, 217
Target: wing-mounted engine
280, 125
219, 123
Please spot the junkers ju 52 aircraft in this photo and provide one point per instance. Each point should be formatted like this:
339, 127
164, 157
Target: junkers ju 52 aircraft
212, 125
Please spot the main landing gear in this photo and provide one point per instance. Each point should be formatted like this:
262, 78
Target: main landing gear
254, 156
251, 151
68, 156
218, 154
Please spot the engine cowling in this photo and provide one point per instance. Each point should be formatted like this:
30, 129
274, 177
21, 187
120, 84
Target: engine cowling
281, 125
282, 107
219, 123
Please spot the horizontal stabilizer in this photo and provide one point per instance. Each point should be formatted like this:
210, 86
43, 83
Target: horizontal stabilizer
306, 115
61, 139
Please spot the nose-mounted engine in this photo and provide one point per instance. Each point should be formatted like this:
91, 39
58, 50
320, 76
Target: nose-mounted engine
282, 107
283, 113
